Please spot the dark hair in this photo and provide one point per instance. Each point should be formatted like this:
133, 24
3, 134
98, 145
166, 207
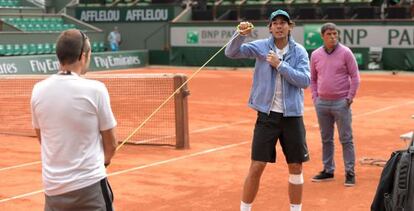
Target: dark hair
328, 26
70, 46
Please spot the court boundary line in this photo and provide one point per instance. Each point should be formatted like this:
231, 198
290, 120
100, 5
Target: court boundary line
200, 130
20, 165
183, 157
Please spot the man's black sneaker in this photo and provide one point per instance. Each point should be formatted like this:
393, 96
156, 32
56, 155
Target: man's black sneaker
323, 176
349, 179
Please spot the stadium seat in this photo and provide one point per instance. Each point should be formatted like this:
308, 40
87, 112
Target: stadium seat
40, 48
17, 50
25, 49
95, 47
39, 24
101, 46
32, 49
9, 50
256, 2
53, 47
47, 48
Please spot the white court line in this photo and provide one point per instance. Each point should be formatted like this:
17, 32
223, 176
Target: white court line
20, 165
21, 196
377, 111
142, 167
178, 158
145, 141
191, 132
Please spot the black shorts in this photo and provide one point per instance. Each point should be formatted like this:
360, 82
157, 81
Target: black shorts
289, 130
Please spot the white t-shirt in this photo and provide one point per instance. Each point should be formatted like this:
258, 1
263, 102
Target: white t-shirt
277, 105
70, 112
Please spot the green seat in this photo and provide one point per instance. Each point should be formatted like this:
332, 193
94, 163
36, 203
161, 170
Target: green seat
53, 47
11, 20
37, 27
47, 20
25, 49
26, 20
101, 46
47, 48
17, 50
57, 20
22, 26
95, 47
46, 27
2, 50
40, 48
29, 27
59, 27
32, 49
9, 50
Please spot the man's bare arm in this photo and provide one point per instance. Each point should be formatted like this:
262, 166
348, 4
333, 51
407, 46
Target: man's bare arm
109, 144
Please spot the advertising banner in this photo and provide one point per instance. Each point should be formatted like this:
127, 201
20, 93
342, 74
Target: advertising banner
124, 14
354, 36
48, 64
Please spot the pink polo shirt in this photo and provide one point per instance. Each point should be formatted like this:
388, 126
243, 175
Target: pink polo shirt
334, 76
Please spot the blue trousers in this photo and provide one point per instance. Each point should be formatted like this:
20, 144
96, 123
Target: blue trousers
114, 46
330, 112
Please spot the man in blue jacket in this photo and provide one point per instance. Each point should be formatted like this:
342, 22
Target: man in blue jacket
281, 73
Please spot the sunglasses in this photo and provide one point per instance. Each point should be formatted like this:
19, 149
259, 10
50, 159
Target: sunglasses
84, 38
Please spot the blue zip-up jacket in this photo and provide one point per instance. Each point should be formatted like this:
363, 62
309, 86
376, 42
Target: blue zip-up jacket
294, 71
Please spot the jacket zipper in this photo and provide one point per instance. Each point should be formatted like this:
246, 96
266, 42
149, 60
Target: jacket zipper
274, 93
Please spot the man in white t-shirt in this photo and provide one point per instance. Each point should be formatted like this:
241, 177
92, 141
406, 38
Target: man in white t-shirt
75, 125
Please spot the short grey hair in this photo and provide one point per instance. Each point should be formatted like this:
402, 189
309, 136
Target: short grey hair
328, 26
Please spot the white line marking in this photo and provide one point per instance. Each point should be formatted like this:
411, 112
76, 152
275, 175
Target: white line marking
177, 158
146, 141
21, 196
191, 132
20, 165
142, 167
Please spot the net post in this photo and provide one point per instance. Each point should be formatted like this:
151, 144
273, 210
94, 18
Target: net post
181, 113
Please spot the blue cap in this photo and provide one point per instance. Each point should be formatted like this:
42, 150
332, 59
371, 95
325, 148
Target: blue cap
279, 13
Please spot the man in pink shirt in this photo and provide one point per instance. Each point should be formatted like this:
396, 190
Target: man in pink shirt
334, 82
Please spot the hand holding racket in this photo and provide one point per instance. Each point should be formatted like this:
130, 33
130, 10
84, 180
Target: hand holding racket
245, 28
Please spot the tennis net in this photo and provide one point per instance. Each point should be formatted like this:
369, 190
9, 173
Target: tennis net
133, 98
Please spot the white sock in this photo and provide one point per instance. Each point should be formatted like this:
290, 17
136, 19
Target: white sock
295, 207
245, 206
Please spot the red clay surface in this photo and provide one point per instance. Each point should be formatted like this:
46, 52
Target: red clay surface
209, 176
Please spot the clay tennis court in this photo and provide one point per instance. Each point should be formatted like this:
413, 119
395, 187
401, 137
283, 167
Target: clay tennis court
209, 175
